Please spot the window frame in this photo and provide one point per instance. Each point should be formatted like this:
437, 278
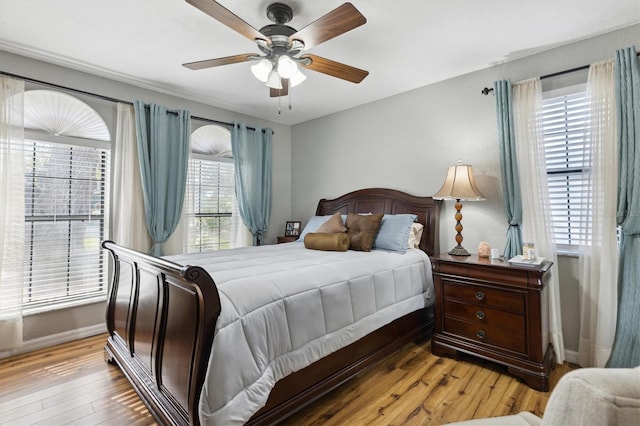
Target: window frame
582, 228
189, 215
95, 289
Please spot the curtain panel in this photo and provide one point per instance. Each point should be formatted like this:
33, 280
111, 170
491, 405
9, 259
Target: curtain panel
252, 156
598, 261
626, 347
528, 131
163, 152
12, 211
509, 168
128, 221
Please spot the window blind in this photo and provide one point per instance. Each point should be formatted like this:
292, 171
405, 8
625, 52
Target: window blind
65, 197
209, 201
566, 123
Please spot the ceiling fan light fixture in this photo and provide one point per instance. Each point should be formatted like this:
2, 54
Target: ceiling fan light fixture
262, 69
297, 78
274, 80
286, 66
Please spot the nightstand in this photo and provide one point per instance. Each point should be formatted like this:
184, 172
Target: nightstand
494, 310
286, 239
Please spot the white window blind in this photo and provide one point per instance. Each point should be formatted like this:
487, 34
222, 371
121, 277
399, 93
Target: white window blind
566, 124
65, 197
209, 203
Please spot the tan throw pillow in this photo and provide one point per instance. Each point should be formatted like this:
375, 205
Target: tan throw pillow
334, 224
362, 230
338, 241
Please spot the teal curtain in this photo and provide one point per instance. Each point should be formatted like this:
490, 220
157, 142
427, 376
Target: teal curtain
163, 153
509, 168
252, 160
626, 346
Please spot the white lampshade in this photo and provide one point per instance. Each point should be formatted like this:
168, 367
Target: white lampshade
297, 78
286, 67
459, 185
262, 69
274, 80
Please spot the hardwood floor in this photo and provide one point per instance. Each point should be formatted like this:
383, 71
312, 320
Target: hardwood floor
71, 384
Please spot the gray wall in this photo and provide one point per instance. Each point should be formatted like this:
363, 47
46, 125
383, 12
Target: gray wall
407, 142
404, 142
68, 321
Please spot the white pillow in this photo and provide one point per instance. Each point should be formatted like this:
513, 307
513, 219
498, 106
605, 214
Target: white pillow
415, 235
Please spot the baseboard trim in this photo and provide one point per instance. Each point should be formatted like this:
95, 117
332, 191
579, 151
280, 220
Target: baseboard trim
55, 339
571, 356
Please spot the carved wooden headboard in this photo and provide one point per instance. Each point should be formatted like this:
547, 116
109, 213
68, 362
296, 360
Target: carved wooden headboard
390, 201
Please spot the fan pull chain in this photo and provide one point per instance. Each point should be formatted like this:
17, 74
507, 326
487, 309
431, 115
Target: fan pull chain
290, 98
279, 105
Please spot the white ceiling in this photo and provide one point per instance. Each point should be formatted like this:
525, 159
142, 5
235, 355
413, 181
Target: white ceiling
405, 44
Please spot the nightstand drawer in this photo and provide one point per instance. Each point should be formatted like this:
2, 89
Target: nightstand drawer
501, 338
486, 317
484, 296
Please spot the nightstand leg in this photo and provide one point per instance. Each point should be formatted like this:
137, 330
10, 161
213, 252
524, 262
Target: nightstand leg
537, 377
442, 350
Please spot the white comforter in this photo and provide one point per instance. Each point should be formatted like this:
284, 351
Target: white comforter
284, 307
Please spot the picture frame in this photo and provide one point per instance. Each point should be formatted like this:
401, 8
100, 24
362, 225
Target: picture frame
292, 228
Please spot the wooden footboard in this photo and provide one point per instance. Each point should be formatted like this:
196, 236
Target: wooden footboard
161, 318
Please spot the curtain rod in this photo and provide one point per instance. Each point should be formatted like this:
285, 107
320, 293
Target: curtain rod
110, 99
488, 90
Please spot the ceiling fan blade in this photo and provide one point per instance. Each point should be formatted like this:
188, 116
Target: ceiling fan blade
228, 18
335, 69
275, 93
338, 21
210, 63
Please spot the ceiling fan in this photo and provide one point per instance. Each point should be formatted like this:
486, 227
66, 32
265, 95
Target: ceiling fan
282, 46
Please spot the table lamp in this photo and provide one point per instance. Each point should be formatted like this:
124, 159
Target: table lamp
459, 185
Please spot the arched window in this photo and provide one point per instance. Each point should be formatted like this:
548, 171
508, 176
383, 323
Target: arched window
210, 202
67, 151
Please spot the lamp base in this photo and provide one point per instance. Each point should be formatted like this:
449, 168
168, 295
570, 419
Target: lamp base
459, 251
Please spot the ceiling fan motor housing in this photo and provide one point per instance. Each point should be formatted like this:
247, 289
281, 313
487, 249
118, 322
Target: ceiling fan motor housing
278, 32
279, 13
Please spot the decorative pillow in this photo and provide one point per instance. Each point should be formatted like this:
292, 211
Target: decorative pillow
334, 224
362, 230
313, 224
415, 235
337, 241
394, 232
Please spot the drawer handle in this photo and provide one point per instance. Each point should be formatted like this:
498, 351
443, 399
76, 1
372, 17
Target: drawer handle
480, 334
480, 315
480, 295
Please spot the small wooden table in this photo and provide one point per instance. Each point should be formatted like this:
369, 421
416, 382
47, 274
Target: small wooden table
494, 310
282, 239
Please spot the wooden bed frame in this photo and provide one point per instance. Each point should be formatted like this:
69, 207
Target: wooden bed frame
161, 318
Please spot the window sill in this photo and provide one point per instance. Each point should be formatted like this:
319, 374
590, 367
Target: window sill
568, 253
27, 311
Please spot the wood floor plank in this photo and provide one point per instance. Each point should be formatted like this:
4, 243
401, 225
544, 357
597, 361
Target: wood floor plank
9, 415
443, 396
396, 400
64, 417
471, 393
72, 385
361, 400
30, 394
